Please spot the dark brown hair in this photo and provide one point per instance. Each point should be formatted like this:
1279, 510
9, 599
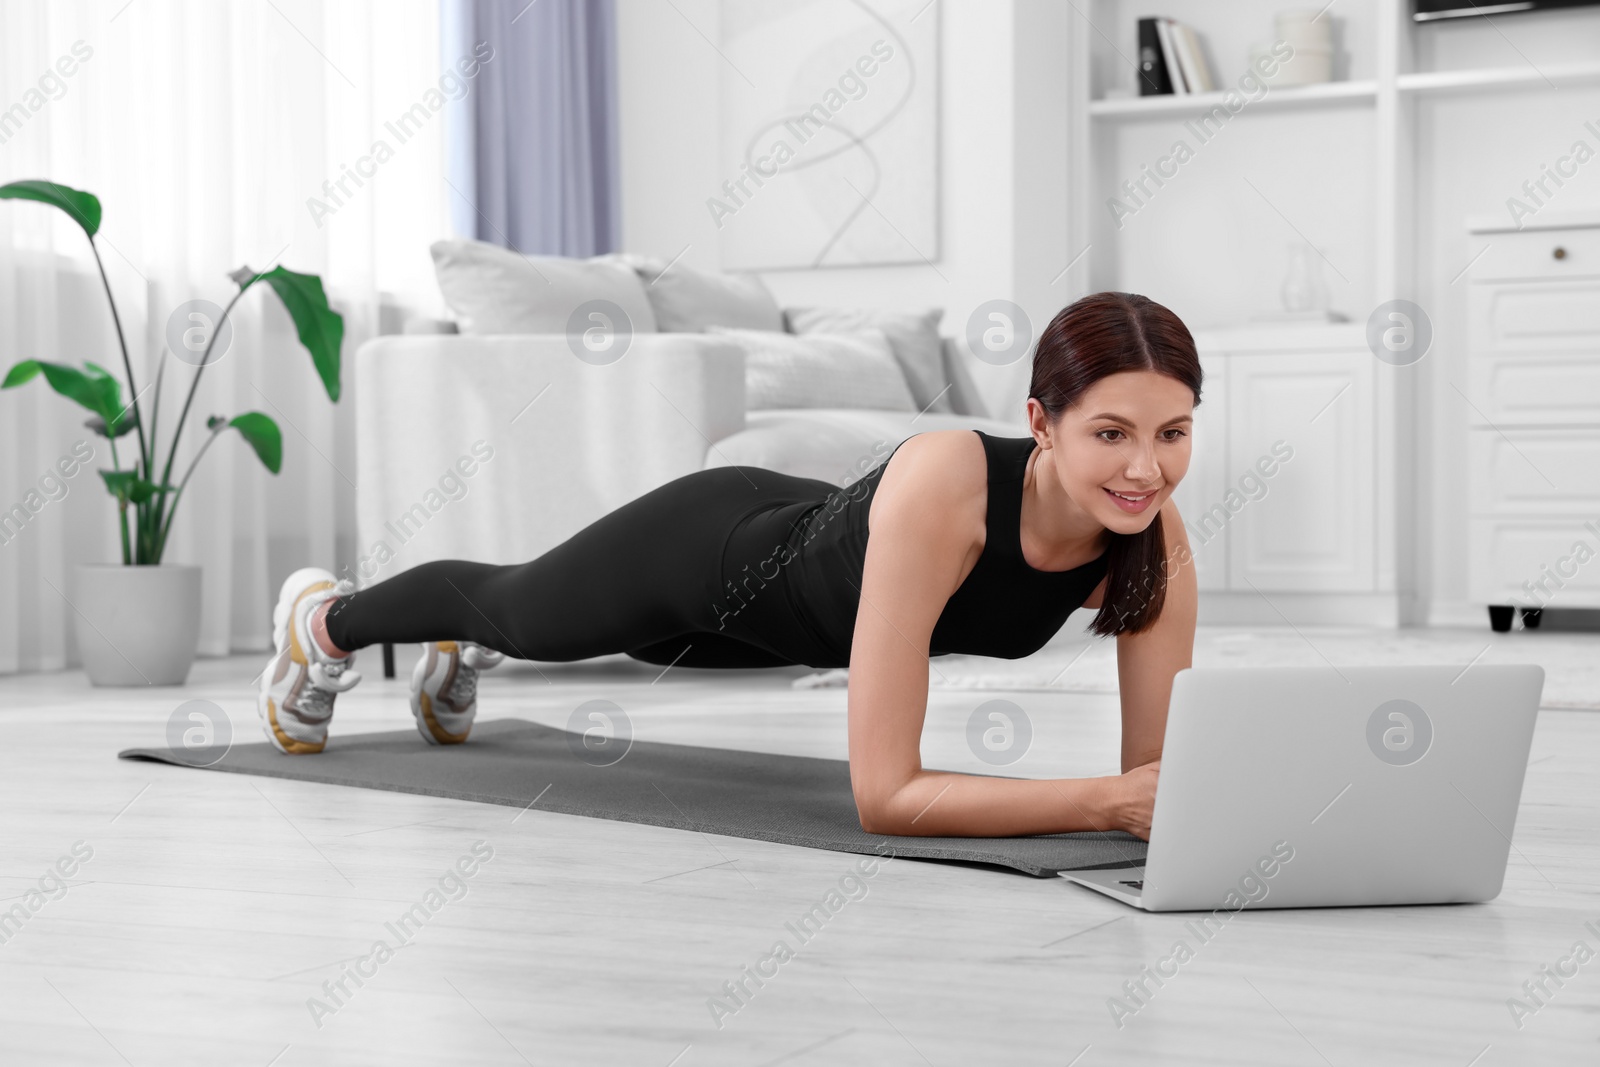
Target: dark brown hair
1101, 335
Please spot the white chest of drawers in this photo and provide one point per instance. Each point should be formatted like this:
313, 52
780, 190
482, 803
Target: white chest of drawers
1533, 438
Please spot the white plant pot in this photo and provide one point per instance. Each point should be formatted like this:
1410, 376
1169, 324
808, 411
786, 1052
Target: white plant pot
137, 625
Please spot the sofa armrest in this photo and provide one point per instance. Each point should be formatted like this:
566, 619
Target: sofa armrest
498, 448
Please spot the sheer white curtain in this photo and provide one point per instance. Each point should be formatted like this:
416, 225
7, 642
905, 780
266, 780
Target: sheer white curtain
207, 129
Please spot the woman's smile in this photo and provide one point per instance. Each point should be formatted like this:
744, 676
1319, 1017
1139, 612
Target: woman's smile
1132, 503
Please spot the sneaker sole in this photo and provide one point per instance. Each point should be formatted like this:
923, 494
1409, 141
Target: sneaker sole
268, 710
422, 704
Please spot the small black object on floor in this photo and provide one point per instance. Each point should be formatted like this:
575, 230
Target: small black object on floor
1500, 616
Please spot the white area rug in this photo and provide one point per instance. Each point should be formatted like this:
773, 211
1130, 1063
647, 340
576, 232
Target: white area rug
1077, 663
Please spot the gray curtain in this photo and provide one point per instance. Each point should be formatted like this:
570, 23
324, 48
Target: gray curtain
544, 126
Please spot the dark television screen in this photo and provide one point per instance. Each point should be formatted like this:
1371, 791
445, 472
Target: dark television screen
1430, 10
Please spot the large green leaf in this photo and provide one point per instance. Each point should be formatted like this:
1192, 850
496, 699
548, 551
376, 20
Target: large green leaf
93, 387
321, 329
83, 207
263, 435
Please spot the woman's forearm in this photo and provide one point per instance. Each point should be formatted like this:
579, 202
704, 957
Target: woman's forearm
944, 804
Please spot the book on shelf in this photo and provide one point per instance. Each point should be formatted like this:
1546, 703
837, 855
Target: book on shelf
1169, 56
1196, 74
1153, 77
1170, 59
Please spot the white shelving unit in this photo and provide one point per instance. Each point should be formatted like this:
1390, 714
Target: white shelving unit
1355, 93
1300, 96
1355, 140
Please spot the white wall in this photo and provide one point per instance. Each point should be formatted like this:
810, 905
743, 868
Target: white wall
668, 78
1002, 160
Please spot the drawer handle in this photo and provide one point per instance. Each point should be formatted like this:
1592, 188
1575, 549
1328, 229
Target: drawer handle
1559, 253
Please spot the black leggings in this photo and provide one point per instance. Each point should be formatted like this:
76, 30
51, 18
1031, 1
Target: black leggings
644, 580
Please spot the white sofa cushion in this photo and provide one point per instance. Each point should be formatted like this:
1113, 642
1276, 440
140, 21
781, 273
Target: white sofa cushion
854, 370
914, 336
686, 300
493, 290
835, 445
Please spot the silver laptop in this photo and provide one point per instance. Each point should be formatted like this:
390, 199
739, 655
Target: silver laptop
1289, 787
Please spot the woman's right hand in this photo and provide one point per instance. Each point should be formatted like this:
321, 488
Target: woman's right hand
1136, 800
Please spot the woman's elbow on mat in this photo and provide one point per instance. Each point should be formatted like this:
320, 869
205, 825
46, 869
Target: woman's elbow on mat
873, 811
897, 808
873, 821
882, 801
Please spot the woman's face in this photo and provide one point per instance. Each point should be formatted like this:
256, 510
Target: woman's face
1123, 448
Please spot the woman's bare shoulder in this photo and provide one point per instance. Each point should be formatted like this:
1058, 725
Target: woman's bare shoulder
941, 473
928, 519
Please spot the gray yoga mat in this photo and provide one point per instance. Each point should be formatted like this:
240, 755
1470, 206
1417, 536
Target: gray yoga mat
795, 800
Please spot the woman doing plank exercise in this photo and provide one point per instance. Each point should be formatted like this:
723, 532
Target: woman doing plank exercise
958, 542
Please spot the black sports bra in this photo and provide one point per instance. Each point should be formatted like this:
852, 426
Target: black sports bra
1004, 608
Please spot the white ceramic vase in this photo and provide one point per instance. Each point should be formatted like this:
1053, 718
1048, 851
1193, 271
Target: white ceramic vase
137, 625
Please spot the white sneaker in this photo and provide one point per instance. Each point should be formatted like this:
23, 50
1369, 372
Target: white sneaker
444, 689
296, 691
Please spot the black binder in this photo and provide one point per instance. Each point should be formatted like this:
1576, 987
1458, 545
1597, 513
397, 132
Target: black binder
1154, 78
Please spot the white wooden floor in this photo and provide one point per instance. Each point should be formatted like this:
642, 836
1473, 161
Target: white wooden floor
215, 906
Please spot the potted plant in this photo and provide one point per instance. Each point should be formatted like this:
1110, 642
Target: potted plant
138, 622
